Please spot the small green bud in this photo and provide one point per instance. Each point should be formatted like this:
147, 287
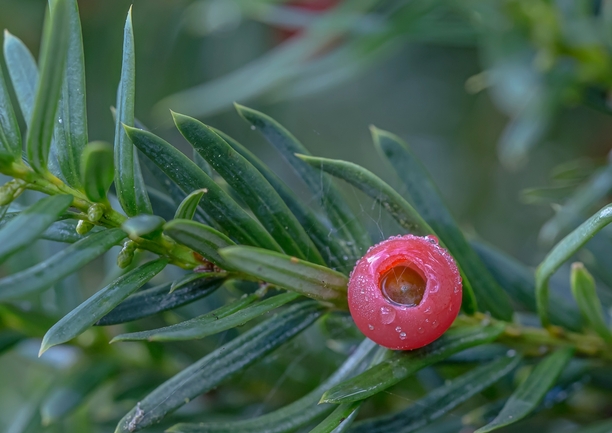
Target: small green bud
95, 212
83, 227
11, 190
129, 246
125, 257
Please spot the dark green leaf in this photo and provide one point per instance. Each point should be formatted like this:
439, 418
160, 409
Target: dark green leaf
403, 364
441, 400
426, 199
23, 72
148, 302
131, 191
103, 301
190, 278
56, 37
73, 390
334, 253
393, 203
599, 427
251, 187
346, 226
200, 238
530, 393
10, 136
188, 206
305, 278
294, 415
563, 251
218, 205
583, 289
45, 274
97, 169
29, 225
8, 339
70, 135
211, 370
227, 317
142, 225
65, 231
519, 282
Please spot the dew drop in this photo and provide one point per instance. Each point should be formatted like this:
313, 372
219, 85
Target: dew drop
387, 315
371, 327
432, 239
420, 330
402, 336
398, 329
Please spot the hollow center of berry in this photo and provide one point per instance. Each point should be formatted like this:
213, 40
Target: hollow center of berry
403, 285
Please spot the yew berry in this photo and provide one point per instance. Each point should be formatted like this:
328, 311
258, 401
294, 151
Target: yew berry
405, 292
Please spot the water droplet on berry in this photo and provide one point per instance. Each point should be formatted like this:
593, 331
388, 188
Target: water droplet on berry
402, 336
371, 327
398, 329
387, 315
432, 239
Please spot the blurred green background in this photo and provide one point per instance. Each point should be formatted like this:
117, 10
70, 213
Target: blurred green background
493, 96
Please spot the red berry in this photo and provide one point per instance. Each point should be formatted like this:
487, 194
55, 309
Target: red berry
405, 292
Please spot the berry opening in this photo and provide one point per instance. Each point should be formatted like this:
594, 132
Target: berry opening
403, 285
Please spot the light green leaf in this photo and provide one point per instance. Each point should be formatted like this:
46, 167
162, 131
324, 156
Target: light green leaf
346, 226
211, 370
583, 289
227, 317
334, 253
585, 197
390, 200
97, 169
426, 199
70, 135
157, 299
252, 188
56, 37
518, 280
72, 258
217, 204
189, 205
295, 415
131, 191
73, 390
290, 273
441, 400
31, 223
103, 301
530, 393
142, 225
339, 420
23, 72
202, 239
403, 364
562, 252
10, 135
